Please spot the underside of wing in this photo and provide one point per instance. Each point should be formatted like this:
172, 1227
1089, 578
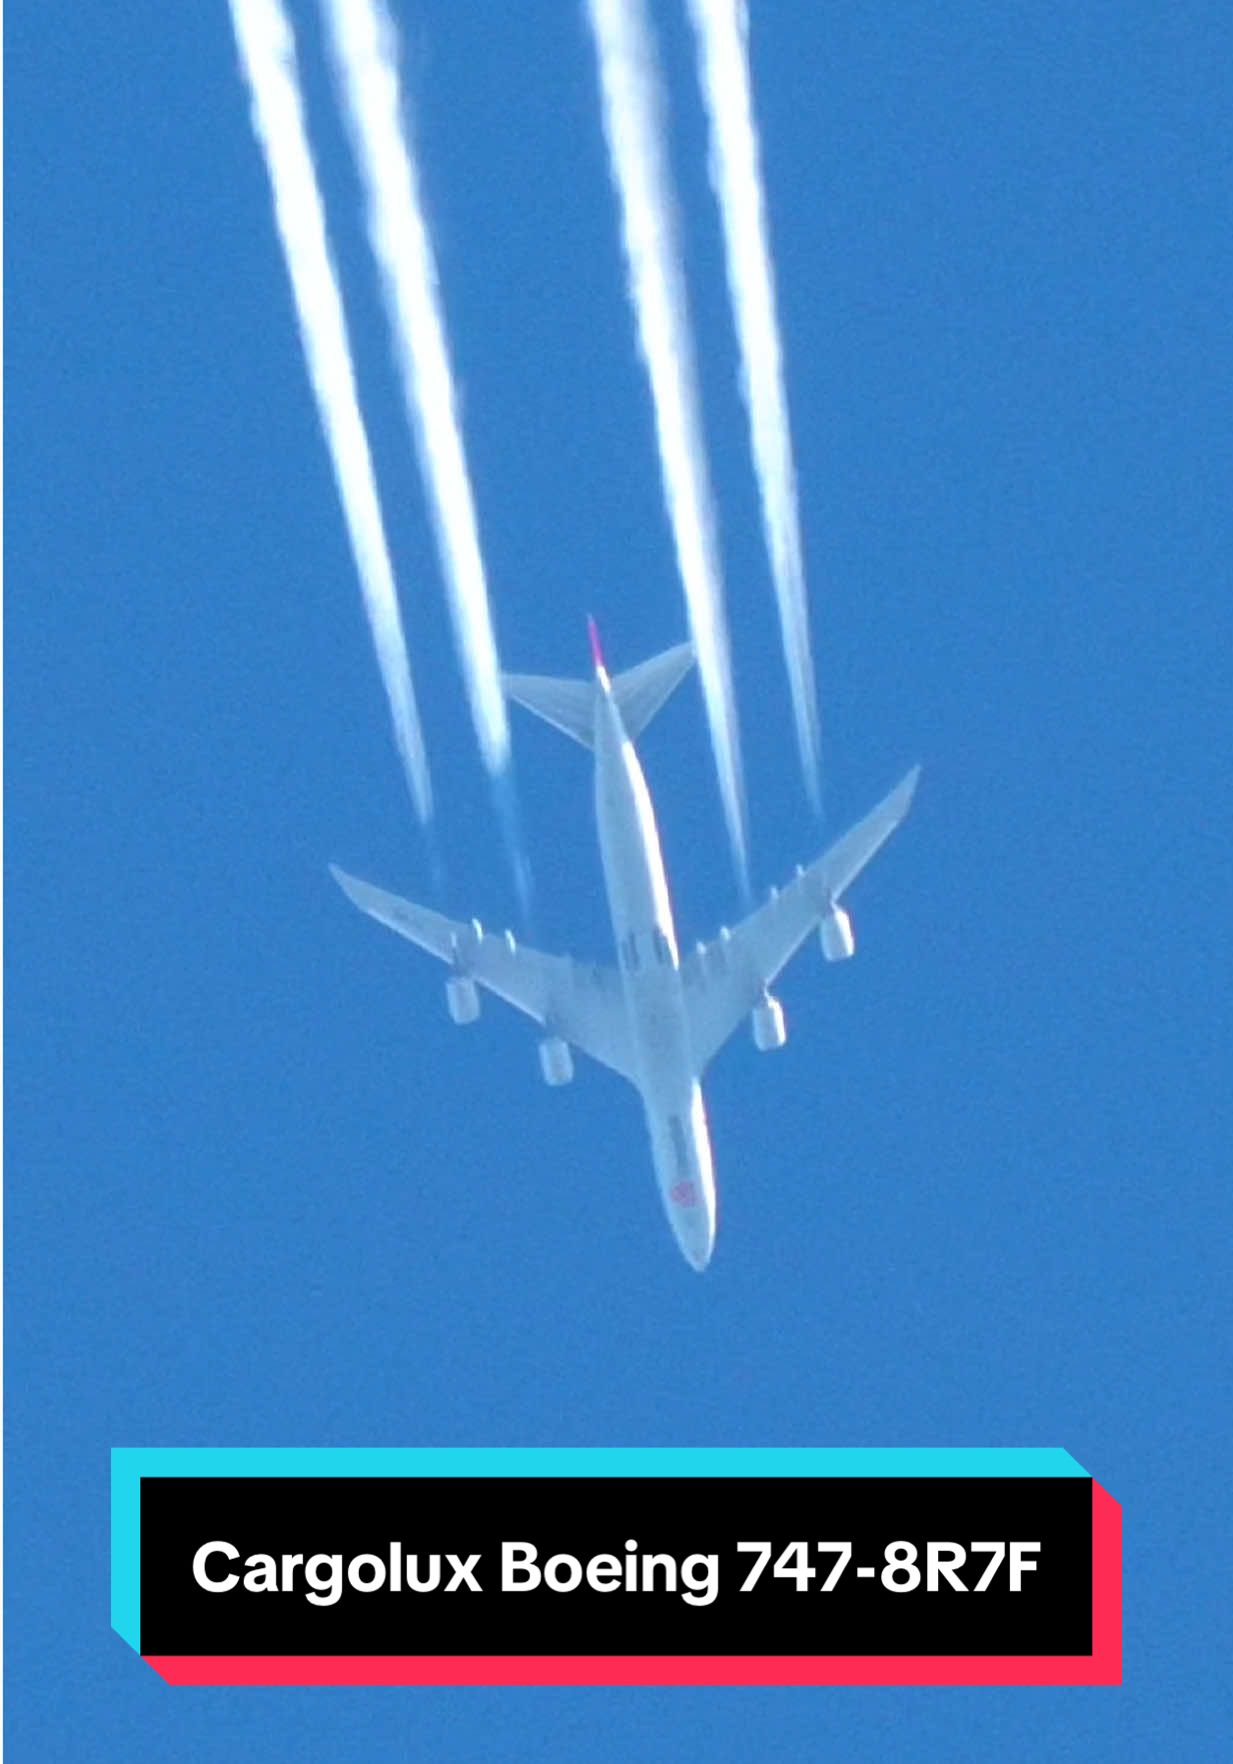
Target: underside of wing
641, 691
569, 705
581, 1003
725, 979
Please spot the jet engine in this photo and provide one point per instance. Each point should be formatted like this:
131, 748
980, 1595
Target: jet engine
836, 936
556, 1063
769, 1030
462, 997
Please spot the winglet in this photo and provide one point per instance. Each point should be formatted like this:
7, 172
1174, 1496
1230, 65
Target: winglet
597, 654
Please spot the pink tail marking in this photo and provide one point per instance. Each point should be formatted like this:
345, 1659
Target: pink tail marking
597, 654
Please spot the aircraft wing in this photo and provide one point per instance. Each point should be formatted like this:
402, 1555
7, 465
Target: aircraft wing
582, 1003
724, 980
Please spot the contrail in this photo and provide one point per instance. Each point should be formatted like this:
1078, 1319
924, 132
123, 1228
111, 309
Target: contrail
722, 28
267, 49
365, 47
629, 84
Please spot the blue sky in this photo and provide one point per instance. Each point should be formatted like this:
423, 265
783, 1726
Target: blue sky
260, 1191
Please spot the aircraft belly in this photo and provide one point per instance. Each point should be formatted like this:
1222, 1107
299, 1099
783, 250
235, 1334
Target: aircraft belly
647, 953
629, 842
632, 894
675, 1114
661, 1039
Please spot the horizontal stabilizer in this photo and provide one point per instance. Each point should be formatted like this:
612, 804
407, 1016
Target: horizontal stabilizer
569, 705
642, 690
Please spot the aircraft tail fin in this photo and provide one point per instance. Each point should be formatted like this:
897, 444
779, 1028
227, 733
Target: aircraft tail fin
569, 705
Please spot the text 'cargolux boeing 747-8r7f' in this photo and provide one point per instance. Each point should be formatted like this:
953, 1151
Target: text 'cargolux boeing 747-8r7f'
656, 1018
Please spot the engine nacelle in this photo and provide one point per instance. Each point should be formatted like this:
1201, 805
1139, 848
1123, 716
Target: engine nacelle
555, 1060
769, 1030
836, 936
462, 997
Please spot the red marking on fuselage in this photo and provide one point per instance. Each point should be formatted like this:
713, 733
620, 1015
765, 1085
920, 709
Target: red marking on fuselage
684, 1194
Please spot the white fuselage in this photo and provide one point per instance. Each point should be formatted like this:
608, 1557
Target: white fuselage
650, 972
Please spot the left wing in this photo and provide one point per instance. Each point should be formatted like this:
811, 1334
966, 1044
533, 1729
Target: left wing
724, 979
582, 1003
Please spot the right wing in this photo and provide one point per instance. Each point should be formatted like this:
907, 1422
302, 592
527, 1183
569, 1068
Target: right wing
582, 1003
724, 980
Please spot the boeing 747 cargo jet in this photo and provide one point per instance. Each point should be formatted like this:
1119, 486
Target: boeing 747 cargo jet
657, 1018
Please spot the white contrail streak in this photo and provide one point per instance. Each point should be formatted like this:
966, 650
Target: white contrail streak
631, 103
365, 49
722, 27
267, 50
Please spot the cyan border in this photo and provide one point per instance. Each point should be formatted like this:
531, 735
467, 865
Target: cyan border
130, 1463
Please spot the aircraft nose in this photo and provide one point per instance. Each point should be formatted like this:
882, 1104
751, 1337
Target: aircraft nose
686, 1182
699, 1256
697, 1244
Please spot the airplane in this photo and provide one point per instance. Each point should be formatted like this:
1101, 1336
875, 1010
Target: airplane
657, 1018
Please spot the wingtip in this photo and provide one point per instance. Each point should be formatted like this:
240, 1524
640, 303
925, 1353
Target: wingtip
904, 793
